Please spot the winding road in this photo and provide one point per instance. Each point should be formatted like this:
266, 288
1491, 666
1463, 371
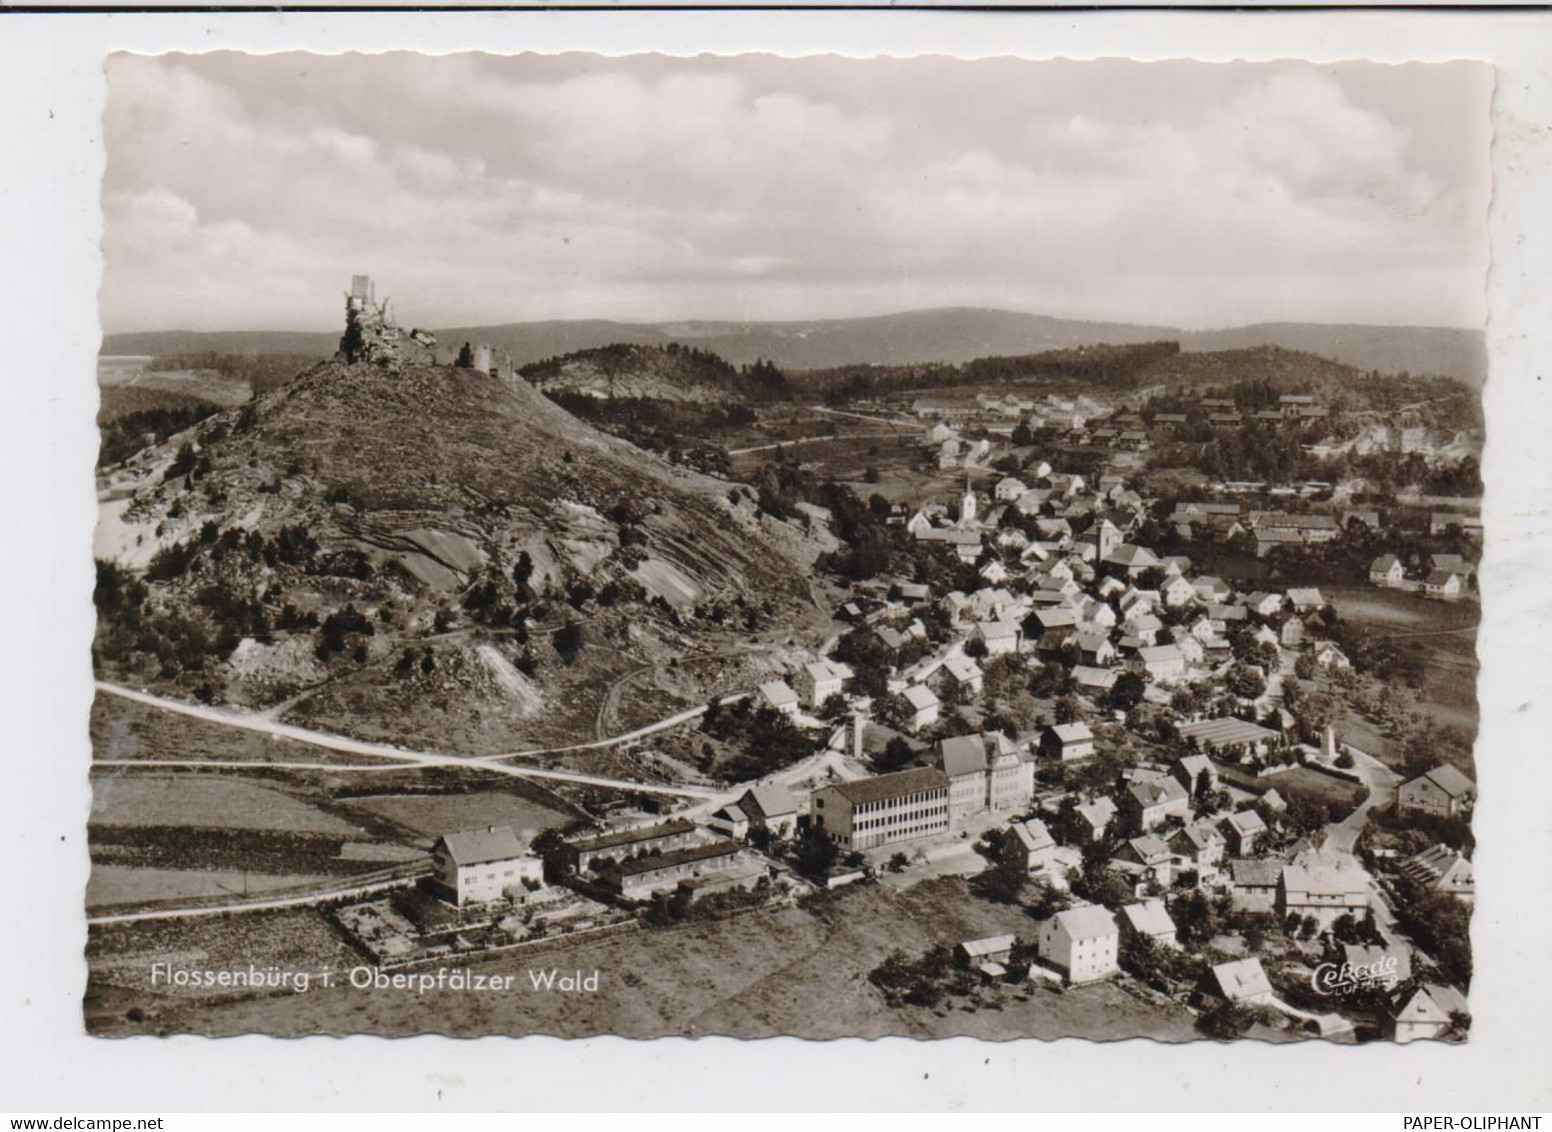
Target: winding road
400, 757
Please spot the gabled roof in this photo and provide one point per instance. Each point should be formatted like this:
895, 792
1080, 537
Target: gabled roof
1322, 875
1098, 812
1217, 732
1056, 617
1245, 823
884, 786
1251, 872
1241, 979
1130, 555
1201, 834
990, 945
1433, 1002
1149, 848
1195, 764
1086, 676
1157, 791
1033, 835
675, 857
1450, 780
1159, 654
1077, 732
778, 692
772, 799
1088, 922
1150, 917
963, 754
920, 697
477, 846
671, 828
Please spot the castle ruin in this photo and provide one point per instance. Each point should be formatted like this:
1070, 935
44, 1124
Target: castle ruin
371, 334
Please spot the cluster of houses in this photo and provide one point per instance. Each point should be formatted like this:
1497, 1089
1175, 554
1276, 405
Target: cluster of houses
1080, 592
1448, 577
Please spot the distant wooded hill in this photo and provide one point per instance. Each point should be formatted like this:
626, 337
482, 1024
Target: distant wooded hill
951, 336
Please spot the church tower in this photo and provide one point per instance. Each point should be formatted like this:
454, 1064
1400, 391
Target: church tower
967, 505
1107, 539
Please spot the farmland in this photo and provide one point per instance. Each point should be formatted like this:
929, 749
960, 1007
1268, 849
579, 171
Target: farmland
201, 800
734, 976
431, 815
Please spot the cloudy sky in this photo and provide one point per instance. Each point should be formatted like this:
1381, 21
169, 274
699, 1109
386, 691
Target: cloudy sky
242, 192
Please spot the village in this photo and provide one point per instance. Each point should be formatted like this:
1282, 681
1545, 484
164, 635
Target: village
1156, 817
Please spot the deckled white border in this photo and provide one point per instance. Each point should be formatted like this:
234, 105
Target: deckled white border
51, 87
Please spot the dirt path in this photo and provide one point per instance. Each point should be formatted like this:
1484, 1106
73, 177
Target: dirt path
328, 892
400, 757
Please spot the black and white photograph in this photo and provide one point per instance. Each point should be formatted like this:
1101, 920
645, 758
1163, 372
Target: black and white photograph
753, 546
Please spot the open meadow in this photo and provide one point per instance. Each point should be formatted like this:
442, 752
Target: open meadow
793, 970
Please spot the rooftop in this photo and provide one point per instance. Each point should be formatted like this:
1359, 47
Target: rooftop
882, 787
477, 846
675, 857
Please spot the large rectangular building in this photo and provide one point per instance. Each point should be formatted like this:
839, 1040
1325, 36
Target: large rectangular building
885, 809
599, 851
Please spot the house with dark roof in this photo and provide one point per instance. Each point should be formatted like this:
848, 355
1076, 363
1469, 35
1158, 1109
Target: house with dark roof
1253, 884
1444, 792
1444, 585
886, 809
639, 877
599, 850
1442, 869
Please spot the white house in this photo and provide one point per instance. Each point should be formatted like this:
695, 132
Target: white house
1444, 585
1082, 943
779, 695
1067, 741
1443, 792
477, 866
1242, 981
1031, 844
1386, 570
819, 681
1009, 489
1149, 919
964, 672
923, 706
1426, 1016
1000, 637
1163, 664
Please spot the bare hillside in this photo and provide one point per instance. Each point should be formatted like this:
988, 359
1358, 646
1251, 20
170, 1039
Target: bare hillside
420, 535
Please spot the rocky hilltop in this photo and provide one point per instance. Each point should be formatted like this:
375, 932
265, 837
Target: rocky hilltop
430, 553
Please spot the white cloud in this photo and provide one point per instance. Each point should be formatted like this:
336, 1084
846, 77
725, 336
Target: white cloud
486, 189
